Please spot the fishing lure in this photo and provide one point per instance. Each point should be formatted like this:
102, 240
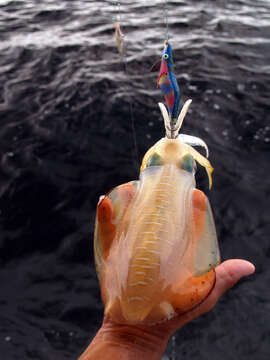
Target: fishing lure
155, 241
119, 38
168, 85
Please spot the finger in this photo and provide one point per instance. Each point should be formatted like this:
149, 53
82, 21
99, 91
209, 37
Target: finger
227, 274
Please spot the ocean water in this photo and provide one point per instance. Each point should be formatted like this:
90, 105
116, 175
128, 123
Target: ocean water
66, 137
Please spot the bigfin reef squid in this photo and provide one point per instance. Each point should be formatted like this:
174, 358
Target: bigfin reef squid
155, 240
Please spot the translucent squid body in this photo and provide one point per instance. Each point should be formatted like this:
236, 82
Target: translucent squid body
155, 240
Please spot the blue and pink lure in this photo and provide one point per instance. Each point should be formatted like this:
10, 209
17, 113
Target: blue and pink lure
168, 83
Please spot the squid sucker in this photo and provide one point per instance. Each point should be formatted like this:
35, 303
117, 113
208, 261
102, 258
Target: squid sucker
155, 241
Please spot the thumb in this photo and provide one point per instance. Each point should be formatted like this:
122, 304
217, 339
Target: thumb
227, 274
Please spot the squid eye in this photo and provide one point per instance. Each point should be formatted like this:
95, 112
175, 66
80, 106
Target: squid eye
154, 160
188, 163
165, 56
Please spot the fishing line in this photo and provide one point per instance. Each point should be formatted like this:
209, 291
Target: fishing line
136, 160
166, 20
118, 11
119, 36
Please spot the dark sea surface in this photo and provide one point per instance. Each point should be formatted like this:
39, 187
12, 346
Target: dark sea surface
66, 138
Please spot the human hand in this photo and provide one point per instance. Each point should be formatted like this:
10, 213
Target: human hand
120, 341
